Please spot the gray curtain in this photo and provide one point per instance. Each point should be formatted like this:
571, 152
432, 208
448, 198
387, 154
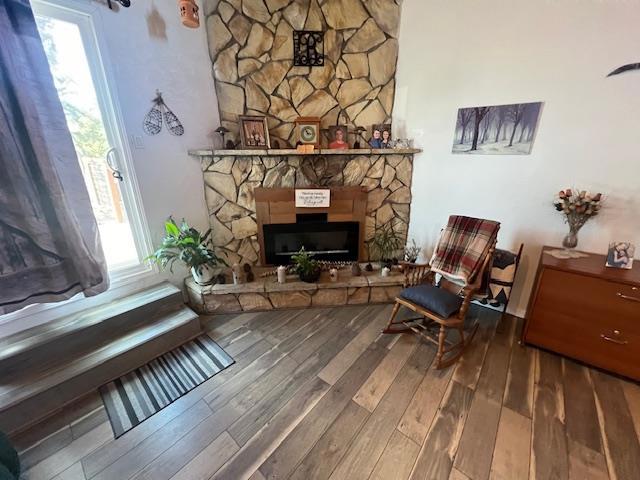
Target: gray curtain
49, 242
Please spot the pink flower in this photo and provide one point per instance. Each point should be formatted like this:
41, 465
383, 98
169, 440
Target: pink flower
568, 192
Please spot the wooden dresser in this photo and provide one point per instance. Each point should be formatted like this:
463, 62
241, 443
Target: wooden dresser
584, 310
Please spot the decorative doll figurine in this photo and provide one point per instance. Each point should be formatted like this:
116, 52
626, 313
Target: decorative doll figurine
385, 271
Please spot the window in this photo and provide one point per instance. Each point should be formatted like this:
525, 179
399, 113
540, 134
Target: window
70, 39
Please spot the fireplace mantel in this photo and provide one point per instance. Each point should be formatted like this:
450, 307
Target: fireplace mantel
210, 152
231, 176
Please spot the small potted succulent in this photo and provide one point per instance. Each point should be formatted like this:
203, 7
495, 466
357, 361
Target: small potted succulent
187, 245
306, 267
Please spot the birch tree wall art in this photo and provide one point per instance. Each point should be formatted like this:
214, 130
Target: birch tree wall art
496, 130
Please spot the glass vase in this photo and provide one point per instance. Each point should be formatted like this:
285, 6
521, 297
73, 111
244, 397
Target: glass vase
570, 241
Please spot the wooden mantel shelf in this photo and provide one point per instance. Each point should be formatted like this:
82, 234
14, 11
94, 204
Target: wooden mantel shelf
210, 152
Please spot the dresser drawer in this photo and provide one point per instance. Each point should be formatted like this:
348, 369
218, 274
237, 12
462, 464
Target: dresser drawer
590, 319
591, 300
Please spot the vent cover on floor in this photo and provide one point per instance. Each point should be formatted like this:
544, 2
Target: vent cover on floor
136, 396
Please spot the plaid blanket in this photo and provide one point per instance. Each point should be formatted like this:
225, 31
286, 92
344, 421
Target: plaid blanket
462, 247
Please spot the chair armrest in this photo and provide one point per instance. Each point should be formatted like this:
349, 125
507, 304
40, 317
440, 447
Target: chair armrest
416, 273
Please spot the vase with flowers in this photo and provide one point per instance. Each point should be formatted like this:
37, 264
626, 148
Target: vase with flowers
577, 207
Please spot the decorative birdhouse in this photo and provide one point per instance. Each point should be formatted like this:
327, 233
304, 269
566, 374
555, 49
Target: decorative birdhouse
189, 13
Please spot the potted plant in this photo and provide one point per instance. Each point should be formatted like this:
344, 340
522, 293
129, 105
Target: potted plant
385, 244
412, 252
306, 267
189, 246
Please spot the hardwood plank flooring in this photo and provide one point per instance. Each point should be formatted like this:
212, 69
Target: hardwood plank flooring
319, 393
513, 443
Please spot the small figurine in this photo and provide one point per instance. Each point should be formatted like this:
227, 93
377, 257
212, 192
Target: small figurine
368, 267
333, 274
248, 273
356, 271
235, 273
385, 271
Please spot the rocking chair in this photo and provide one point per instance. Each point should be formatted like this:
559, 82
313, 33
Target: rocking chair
462, 259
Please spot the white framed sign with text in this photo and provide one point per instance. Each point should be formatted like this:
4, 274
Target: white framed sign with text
313, 198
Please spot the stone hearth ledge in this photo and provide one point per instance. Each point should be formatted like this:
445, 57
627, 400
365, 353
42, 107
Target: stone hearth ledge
210, 152
267, 294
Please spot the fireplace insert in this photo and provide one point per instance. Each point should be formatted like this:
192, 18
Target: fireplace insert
332, 241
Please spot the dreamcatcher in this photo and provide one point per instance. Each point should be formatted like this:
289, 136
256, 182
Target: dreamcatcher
153, 120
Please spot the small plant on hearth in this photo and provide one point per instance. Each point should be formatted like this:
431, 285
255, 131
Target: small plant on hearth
187, 245
385, 245
306, 267
412, 252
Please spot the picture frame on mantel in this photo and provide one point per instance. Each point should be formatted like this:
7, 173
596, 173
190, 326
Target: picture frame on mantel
254, 132
308, 131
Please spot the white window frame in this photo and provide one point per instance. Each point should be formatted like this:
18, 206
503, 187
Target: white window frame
87, 16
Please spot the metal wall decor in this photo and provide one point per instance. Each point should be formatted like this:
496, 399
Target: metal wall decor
625, 68
308, 48
153, 120
124, 3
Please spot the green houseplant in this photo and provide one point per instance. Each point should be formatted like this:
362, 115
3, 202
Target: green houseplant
412, 252
306, 267
187, 245
385, 244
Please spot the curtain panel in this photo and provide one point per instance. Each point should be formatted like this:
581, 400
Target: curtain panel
50, 246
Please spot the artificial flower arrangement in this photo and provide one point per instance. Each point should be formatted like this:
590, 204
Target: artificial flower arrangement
577, 207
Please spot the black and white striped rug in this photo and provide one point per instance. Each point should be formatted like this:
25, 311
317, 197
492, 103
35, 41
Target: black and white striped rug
136, 396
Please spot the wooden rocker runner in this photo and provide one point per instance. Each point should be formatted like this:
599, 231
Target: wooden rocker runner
462, 259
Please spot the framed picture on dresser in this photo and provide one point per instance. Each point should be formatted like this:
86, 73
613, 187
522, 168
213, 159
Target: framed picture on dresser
620, 255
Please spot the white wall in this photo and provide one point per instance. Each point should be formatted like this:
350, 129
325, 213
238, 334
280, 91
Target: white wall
170, 181
468, 53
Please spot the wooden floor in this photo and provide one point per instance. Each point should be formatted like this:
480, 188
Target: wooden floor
319, 394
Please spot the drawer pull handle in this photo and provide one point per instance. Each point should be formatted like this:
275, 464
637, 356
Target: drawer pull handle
627, 297
613, 340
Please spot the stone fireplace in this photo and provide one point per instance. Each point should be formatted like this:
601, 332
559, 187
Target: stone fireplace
232, 178
252, 51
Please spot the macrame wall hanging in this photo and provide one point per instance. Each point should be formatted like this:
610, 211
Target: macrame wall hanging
153, 120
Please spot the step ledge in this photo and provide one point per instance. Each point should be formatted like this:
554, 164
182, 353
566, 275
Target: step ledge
83, 364
48, 332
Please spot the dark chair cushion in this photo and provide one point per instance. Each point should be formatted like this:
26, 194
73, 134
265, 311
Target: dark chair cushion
436, 300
